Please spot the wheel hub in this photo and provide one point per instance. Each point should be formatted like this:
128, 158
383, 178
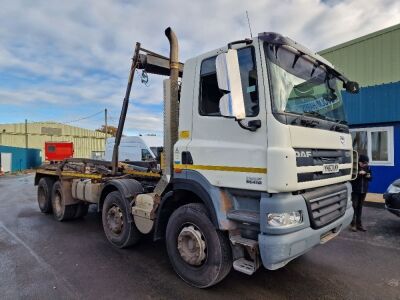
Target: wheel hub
115, 220
191, 245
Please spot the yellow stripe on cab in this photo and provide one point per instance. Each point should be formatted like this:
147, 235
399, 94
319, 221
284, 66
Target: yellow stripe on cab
221, 168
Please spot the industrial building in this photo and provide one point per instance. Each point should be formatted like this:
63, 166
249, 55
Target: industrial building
23, 143
374, 114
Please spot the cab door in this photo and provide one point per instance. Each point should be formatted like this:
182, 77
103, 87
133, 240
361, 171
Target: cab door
221, 149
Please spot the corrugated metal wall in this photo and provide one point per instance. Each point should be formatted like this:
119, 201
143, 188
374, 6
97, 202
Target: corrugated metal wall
374, 62
370, 60
375, 104
85, 141
21, 158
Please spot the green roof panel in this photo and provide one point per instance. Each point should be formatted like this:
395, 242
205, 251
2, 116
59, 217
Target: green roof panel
371, 59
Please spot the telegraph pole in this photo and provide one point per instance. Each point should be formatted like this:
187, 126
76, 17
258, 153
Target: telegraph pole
26, 133
105, 125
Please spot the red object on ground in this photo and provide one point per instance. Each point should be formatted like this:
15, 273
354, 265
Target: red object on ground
57, 151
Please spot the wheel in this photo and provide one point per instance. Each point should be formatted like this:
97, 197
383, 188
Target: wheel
117, 228
81, 210
44, 194
199, 253
61, 211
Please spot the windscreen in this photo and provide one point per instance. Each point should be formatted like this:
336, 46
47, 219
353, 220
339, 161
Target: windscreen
300, 85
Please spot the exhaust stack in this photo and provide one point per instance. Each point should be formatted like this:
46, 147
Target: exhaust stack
171, 112
171, 126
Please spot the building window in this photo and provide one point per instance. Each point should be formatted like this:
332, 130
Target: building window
379, 146
360, 141
210, 93
376, 142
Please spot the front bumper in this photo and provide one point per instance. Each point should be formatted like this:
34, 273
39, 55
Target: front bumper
277, 250
392, 203
278, 246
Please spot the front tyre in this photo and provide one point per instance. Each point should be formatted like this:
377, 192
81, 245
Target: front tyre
119, 231
199, 253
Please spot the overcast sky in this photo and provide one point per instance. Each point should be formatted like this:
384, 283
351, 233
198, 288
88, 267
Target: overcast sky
65, 60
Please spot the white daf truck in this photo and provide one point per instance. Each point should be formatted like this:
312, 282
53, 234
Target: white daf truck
256, 164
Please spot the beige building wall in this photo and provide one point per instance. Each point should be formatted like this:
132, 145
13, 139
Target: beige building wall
85, 141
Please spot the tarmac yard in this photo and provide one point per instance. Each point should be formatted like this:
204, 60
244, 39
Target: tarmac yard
41, 258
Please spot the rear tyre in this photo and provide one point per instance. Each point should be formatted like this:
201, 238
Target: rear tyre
61, 211
81, 210
44, 194
115, 218
199, 253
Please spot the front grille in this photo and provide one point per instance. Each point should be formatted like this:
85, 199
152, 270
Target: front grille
326, 204
310, 176
319, 157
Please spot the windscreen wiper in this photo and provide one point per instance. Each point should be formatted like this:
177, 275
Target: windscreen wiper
314, 114
317, 114
342, 122
306, 122
313, 122
337, 127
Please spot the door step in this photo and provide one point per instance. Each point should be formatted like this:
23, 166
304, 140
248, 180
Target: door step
244, 216
245, 266
238, 239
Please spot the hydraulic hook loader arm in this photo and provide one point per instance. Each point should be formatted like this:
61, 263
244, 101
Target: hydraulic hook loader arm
152, 63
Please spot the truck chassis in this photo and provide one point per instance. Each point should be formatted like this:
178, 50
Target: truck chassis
130, 208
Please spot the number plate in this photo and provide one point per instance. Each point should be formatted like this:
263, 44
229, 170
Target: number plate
330, 168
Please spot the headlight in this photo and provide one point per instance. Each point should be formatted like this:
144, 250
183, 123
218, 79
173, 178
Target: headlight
286, 219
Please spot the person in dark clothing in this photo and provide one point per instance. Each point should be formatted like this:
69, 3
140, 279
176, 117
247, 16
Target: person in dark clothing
360, 189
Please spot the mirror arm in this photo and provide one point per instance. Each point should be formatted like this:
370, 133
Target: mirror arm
252, 125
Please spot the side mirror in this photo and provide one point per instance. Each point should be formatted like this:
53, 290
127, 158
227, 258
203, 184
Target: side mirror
352, 87
231, 104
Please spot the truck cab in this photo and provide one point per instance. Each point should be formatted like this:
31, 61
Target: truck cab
280, 175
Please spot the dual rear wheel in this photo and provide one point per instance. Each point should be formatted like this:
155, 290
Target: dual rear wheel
51, 200
118, 225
